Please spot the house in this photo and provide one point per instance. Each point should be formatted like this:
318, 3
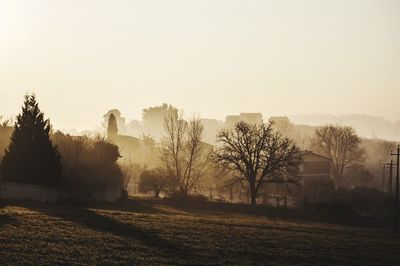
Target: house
315, 175
315, 167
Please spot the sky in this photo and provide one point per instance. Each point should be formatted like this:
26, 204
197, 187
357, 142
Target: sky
208, 57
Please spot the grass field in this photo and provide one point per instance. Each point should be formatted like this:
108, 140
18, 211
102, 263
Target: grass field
146, 231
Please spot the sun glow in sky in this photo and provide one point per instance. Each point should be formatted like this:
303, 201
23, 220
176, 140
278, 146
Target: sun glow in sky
210, 57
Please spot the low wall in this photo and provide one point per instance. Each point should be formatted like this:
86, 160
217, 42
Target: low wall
17, 191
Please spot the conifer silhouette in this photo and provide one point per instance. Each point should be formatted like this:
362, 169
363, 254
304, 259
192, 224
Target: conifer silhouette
112, 130
31, 156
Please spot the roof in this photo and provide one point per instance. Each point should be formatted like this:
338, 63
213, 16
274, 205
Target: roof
306, 152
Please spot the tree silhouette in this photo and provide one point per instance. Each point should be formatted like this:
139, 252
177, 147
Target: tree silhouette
342, 145
258, 156
112, 130
31, 156
184, 153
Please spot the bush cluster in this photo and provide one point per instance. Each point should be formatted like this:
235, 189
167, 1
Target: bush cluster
362, 200
89, 164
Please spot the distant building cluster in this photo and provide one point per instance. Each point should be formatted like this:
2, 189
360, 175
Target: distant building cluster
251, 118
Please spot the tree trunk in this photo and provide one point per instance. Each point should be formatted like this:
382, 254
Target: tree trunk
253, 195
253, 191
253, 198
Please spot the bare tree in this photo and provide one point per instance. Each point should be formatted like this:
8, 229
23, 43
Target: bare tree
183, 152
258, 155
342, 145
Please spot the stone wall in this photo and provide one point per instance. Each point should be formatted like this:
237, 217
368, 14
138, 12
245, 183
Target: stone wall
17, 191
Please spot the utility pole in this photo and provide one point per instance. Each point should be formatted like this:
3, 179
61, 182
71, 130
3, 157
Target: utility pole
390, 186
390, 178
396, 209
383, 177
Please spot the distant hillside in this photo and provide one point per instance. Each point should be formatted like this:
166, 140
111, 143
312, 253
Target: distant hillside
366, 126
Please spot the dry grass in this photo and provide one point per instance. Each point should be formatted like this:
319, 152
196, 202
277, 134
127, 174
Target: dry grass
161, 232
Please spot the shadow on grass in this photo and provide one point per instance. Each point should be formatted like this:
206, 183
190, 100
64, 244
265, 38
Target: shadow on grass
169, 206
126, 205
298, 215
93, 220
6, 219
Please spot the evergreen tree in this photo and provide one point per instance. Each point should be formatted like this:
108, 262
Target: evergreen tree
31, 156
112, 131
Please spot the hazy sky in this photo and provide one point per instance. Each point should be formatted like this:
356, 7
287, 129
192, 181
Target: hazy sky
214, 57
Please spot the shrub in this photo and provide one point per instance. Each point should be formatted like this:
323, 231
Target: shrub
369, 201
364, 201
183, 197
154, 180
129, 176
338, 208
90, 164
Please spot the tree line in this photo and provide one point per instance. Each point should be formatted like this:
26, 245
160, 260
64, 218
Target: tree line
255, 154
82, 166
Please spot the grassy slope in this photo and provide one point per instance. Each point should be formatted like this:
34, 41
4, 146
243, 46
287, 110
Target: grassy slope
162, 232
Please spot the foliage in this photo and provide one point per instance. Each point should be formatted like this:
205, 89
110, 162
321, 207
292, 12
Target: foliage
156, 114
31, 156
377, 153
154, 180
5, 135
5, 122
120, 121
6, 131
258, 156
369, 201
129, 175
148, 153
90, 165
153, 119
338, 208
357, 175
187, 198
365, 201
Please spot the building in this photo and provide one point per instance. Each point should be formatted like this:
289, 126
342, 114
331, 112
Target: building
315, 175
251, 118
315, 167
